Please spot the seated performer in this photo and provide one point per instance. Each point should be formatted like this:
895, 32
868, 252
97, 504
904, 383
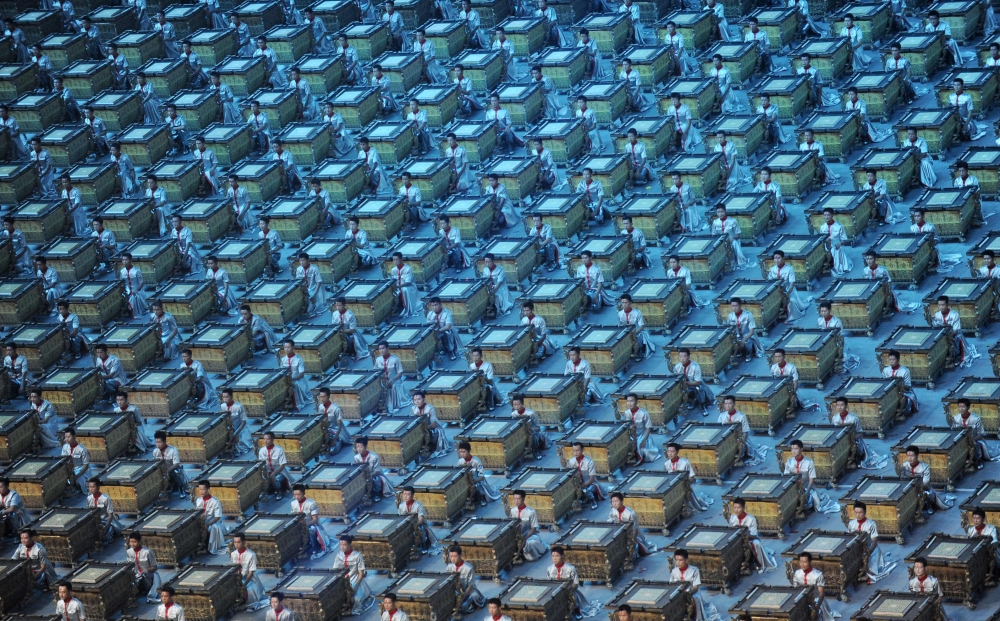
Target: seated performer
642, 428
683, 572
620, 514
629, 316
576, 364
676, 463
561, 570
471, 598
966, 419
947, 316
360, 597
585, 466
747, 342
842, 417
246, 560
878, 567
320, 543
484, 491
807, 575
804, 467
835, 240
896, 370
925, 584
979, 528
212, 510
408, 505
534, 547
696, 391
919, 470
763, 558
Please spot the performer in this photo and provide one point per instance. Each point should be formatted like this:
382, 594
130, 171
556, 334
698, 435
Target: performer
785, 274
748, 342
246, 560
147, 579
595, 64
47, 429
869, 131
804, 467
350, 559
451, 240
576, 365
320, 543
835, 241
13, 515
80, 457
380, 483
952, 55
212, 510
538, 440
962, 102
947, 316
493, 395
439, 442
484, 491
896, 370
928, 178
676, 463
584, 465
989, 269
824, 173
260, 331
170, 462
544, 346
965, 418
396, 397
696, 392
471, 598
763, 558
729, 229
925, 584
752, 35
408, 506
730, 103
687, 135
878, 567
859, 59
42, 571
773, 131
561, 570
629, 316
592, 277
124, 170
204, 391
315, 291
593, 192
641, 431
275, 465
239, 434
918, 470
641, 258
277, 610
620, 514
592, 143
534, 548
111, 526
691, 218
842, 417
501, 299
683, 572
736, 174
807, 575
896, 62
